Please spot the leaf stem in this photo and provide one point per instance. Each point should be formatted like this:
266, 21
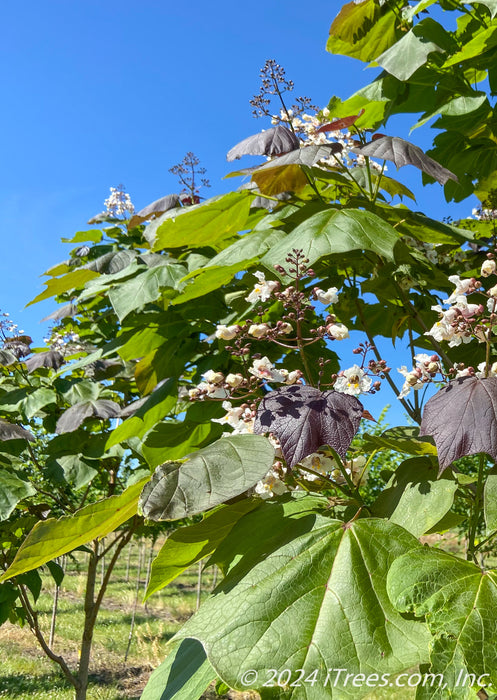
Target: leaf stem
476, 510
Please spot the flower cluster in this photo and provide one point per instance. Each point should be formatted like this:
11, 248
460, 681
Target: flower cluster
13, 338
118, 204
425, 369
65, 343
457, 324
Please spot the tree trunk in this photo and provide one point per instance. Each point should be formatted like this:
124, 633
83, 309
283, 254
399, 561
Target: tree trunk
89, 625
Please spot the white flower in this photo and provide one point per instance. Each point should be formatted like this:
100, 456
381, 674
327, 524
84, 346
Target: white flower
488, 268
263, 290
292, 377
240, 419
285, 328
328, 297
234, 380
462, 287
259, 330
263, 368
318, 462
227, 332
338, 331
270, 485
493, 291
492, 370
353, 381
213, 377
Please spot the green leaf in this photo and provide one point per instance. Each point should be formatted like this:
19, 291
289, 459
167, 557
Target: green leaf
413, 498
37, 400
72, 469
411, 51
59, 285
309, 593
12, 490
155, 408
401, 439
458, 601
484, 40
332, 232
144, 288
248, 247
169, 441
363, 30
203, 224
490, 502
92, 235
207, 280
51, 538
282, 178
491, 5
184, 675
457, 107
188, 545
211, 476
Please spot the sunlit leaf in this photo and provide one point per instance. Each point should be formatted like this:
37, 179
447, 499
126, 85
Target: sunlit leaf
12, 490
272, 142
401, 152
304, 418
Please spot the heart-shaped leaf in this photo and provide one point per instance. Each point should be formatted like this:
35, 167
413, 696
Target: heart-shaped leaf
206, 478
151, 211
402, 152
72, 418
309, 594
462, 419
272, 142
304, 418
51, 359
458, 601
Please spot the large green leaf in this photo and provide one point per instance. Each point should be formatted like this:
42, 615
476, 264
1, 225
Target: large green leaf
71, 469
249, 246
188, 545
169, 441
458, 601
401, 439
491, 5
363, 30
51, 538
184, 675
207, 280
58, 285
414, 498
155, 408
211, 476
12, 490
144, 288
309, 593
412, 50
483, 40
200, 225
331, 232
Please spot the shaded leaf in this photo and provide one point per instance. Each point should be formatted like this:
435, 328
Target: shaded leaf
413, 498
188, 545
52, 359
71, 419
402, 152
71, 469
151, 211
401, 439
272, 142
309, 594
482, 41
462, 419
184, 675
7, 358
304, 418
10, 431
458, 601
62, 312
211, 476
12, 490
52, 538
490, 502
169, 441
491, 5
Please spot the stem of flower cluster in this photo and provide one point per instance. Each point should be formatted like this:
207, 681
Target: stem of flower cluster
476, 510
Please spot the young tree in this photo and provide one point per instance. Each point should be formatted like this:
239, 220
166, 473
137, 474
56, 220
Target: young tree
224, 317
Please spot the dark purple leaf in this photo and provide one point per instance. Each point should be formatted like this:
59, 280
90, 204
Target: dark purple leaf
304, 418
273, 142
462, 419
401, 152
62, 312
339, 124
51, 358
72, 418
160, 206
10, 431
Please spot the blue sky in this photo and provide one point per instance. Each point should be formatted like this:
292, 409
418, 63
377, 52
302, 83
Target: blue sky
101, 93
